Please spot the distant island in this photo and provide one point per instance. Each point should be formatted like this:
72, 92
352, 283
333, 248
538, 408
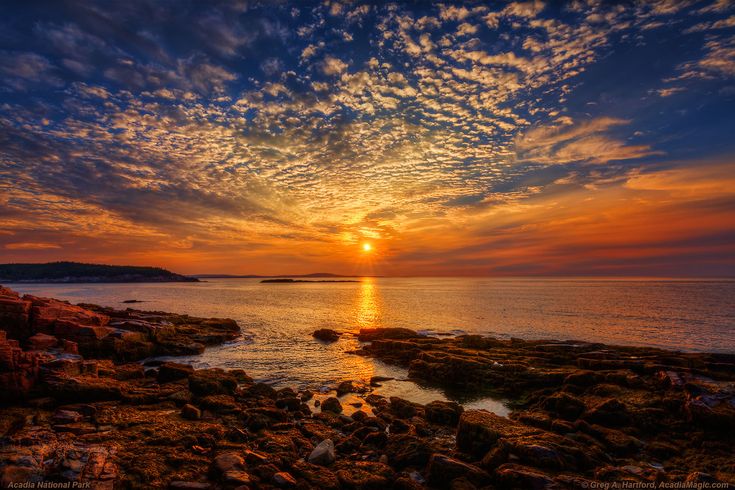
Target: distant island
289, 281
75, 272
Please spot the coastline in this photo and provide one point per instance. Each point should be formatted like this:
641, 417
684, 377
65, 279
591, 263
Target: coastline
77, 395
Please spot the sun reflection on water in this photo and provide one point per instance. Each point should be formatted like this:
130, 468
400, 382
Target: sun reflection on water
368, 304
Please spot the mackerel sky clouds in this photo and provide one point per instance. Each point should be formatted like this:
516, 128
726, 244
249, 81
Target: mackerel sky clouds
458, 138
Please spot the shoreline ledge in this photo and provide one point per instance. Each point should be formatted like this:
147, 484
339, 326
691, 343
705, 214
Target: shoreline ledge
76, 405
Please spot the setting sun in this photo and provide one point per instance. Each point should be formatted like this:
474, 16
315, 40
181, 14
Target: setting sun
366, 247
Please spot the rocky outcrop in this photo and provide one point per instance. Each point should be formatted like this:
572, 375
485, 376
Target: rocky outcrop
42, 323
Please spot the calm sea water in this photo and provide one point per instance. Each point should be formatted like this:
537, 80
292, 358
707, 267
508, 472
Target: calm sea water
277, 319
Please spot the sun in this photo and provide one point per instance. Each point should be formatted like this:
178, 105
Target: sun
366, 247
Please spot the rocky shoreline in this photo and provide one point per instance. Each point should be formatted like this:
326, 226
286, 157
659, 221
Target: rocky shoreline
77, 405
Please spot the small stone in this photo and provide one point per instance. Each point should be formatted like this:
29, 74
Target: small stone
284, 479
323, 453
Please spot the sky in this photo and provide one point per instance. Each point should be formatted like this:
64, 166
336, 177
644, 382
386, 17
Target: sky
468, 138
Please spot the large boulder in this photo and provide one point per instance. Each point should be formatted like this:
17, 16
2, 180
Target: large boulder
443, 413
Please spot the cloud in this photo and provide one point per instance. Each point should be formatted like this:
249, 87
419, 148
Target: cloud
31, 246
585, 142
332, 65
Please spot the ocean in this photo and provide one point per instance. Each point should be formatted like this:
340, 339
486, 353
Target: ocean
277, 320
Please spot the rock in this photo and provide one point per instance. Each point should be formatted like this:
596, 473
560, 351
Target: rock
237, 477
359, 415
188, 485
323, 453
610, 412
376, 380
326, 334
212, 382
66, 417
317, 476
41, 341
402, 408
405, 450
582, 378
191, 412
442, 470
331, 404
443, 413
479, 430
229, 461
370, 334
346, 387
284, 479
518, 476
173, 371
84, 388
564, 405
363, 475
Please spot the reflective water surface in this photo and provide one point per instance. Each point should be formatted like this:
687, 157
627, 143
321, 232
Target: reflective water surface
277, 319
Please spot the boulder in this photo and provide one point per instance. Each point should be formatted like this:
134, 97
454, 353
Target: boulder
204, 382
564, 405
326, 335
323, 453
173, 371
331, 404
443, 413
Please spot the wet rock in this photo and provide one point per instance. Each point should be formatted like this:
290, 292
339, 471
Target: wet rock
326, 335
359, 416
402, 408
323, 453
331, 404
443, 413
443, 469
173, 371
346, 387
212, 382
191, 412
610, 412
